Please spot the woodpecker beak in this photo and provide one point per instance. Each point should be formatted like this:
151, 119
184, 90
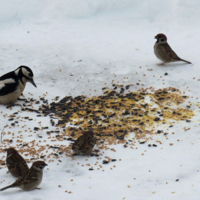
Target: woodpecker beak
32, 81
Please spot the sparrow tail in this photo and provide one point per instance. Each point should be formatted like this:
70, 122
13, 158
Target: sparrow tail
186, 61
5, 188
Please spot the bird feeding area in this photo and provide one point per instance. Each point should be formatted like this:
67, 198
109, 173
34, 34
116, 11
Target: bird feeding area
115, 117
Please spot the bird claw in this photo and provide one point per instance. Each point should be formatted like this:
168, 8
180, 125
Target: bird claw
38, 188
160, 64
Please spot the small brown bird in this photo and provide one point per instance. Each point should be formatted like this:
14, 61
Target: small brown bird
84, 144
16, 164
31, 179
164, 52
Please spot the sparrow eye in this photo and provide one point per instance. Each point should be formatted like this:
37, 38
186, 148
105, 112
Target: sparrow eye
162, 40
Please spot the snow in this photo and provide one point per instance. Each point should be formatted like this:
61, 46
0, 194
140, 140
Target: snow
78, 47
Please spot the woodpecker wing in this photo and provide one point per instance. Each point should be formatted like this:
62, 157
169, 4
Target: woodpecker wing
8, 83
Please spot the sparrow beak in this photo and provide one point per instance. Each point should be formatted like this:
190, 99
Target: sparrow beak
155, 37
32, 81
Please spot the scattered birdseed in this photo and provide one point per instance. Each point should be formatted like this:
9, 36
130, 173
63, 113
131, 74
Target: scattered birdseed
111, 116
142, 142
159, 131
105, 162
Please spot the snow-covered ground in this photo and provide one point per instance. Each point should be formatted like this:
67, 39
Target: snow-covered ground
78, 47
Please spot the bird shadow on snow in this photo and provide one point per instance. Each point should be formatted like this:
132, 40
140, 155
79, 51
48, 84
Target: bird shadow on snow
173, 64
71, 169
13, 191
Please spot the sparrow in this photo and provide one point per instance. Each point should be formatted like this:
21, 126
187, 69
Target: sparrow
84, 144
16, 164
31, 179
164, 52
13, 83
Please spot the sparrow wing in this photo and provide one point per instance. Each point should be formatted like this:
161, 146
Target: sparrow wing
167, 50
28, 180
14, 169
21, 163
84, 144
78, 143
13, 166
29, 176
17, 165
84, 141
90, 142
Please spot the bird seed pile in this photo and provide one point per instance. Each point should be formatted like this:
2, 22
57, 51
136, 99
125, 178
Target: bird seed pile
112, 116
115, 114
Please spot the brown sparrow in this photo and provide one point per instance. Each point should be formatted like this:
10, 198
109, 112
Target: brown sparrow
164, 52
31, 179
16, 164
84, 144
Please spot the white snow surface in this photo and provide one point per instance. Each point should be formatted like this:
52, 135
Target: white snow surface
77, 47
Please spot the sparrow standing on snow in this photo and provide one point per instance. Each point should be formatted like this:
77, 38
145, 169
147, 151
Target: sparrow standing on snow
84, 144
16, 164
13, 83
31, 179
164, 52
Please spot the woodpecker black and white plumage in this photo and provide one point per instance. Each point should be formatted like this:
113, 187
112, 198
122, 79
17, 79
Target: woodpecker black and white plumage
13, 83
